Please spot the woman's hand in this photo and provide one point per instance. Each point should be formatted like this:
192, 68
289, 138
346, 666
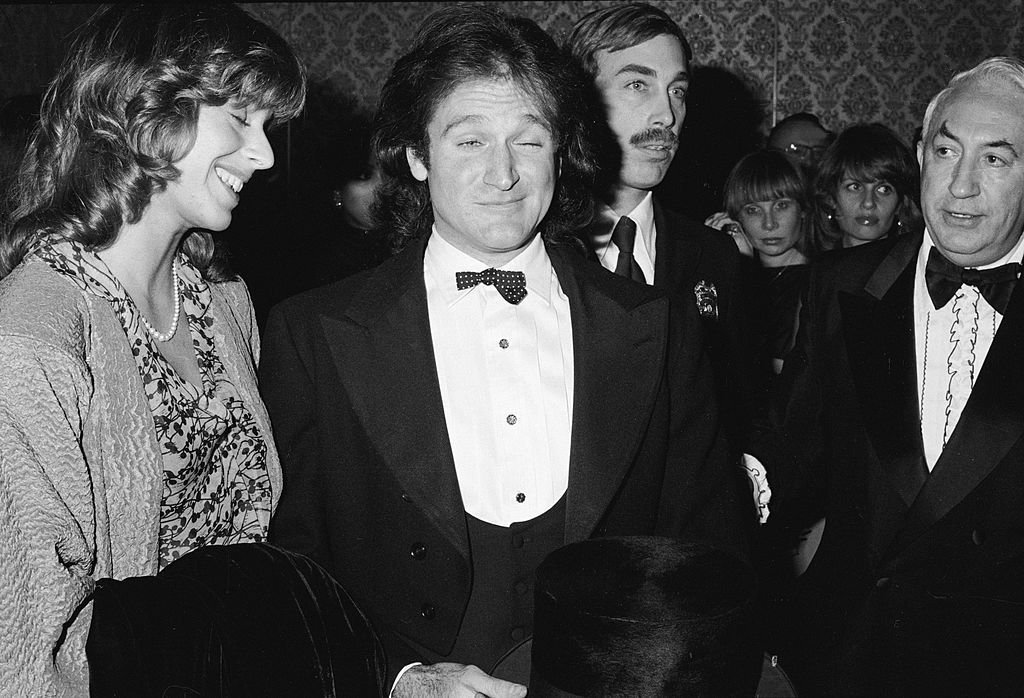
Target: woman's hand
721, 221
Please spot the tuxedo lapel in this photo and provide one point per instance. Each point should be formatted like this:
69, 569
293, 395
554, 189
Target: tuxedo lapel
991, 422
619, 345
671, 264
878, 326
383, 352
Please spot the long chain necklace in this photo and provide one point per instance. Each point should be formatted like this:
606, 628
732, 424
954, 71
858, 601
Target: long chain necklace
166, 336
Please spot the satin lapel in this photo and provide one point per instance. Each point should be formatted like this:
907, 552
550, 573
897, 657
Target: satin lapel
878, 327
992, 421
673, 264
618, 354
383, 352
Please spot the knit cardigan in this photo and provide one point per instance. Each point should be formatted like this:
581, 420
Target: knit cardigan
81, 473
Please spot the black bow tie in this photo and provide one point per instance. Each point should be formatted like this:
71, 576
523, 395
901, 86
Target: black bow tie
944, 279
510, 284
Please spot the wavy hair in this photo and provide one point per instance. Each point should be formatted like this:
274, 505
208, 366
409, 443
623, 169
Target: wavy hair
767, 175
459, 44
996, 69
123, 109
867, 152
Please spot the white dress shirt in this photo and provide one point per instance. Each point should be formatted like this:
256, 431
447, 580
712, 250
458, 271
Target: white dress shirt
506, 379
952, 344
643, 249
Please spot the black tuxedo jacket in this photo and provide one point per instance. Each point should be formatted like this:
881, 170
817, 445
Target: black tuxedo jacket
371, 492
687, 253
917, 587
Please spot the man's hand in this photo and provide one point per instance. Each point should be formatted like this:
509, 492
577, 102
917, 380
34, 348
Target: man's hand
447, 680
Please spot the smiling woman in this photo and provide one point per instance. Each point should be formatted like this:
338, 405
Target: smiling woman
131, 428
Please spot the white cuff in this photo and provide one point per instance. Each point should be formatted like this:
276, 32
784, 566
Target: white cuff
398, 678
761, 490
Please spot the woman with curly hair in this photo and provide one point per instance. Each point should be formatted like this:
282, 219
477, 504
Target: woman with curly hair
131, 429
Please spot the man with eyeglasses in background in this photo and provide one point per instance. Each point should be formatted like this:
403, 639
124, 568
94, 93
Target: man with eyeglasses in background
802, 139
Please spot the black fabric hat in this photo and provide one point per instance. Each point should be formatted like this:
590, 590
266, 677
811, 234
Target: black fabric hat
643, 616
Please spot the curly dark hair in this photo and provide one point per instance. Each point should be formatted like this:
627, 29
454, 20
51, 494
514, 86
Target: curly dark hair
458, 44
869, 152
123, 108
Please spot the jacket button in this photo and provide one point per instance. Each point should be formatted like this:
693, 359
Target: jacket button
418, 551
517, 634
406, 498
427, 611
883, 582
978, 536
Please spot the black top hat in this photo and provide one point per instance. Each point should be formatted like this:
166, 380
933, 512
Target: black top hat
641, 616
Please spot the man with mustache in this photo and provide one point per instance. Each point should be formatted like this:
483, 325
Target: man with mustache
639, 61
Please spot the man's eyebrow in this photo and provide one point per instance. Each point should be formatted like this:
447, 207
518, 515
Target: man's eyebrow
1002, 144
999, 143
637, 68
476, 118
944, 131
455, 123
641, 69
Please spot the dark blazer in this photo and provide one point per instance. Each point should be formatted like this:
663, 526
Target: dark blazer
349, 378
917, 587
686, 253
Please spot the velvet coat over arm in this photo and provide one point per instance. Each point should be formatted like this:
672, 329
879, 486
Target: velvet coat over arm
81, 473
350, 380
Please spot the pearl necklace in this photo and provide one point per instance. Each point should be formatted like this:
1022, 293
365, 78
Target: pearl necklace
166, 336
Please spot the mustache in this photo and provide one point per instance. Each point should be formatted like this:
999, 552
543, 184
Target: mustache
654, 135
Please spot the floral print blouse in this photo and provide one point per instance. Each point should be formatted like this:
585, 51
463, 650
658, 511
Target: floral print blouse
216, 487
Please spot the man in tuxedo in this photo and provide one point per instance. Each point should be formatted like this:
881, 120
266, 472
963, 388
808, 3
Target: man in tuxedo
901, 420
487, 394
639, 61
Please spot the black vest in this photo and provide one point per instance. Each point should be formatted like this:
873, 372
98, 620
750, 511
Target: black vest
500, 609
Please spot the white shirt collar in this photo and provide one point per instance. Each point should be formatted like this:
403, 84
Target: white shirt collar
442, 260
642, 214
1016, 254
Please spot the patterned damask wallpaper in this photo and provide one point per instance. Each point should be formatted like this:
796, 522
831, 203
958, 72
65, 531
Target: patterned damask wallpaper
846, 60
755, 60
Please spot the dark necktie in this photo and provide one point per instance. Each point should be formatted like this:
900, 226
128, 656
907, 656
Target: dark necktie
624, 236
944, 279
510, 284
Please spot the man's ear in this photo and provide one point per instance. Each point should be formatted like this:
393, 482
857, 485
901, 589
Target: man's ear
416, 166
920, 152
